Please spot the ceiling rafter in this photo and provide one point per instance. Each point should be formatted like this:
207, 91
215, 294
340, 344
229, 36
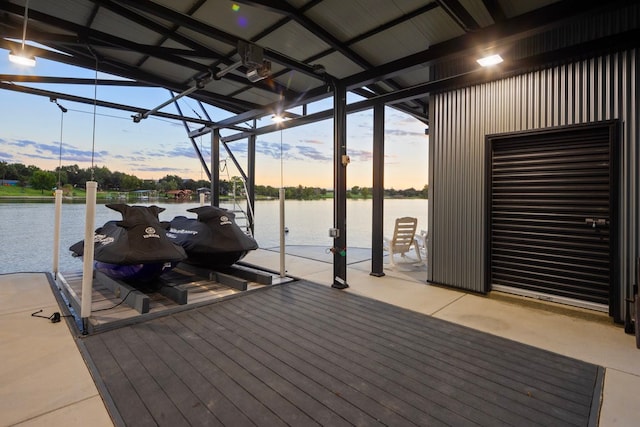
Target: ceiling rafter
108, 66
163, 32
69, 80
495, 10
167, 25
194, 8
86, 37
515, 29
335, 45
106, 104
459, 14
271, 86
200, 27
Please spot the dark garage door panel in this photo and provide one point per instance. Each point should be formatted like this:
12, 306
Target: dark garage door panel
544, 187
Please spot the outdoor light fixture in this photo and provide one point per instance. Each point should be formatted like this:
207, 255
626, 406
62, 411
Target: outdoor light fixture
260, 72
21, 57
252, 57
490, 60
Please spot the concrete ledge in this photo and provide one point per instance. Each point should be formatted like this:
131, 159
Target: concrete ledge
43, 374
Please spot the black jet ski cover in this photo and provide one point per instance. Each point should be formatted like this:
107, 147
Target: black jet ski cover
140, 238
213, 239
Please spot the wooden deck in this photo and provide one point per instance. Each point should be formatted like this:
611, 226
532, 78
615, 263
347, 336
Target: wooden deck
306, 354
115, 303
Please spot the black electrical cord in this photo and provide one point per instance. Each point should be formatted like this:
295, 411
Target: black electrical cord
114, 306
55, 317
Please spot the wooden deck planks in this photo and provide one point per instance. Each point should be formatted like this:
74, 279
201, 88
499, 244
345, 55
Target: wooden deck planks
306, 354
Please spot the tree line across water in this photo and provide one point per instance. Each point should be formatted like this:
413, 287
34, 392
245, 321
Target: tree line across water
73, 178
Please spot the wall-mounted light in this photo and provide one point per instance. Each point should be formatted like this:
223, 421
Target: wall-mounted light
21, 57
490, 60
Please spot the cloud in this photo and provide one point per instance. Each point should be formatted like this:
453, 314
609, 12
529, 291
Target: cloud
401, 132
156, 169
311, 153
292, 152
312, 141
136, 158
35, 150
272, 149
180, 151
361, 155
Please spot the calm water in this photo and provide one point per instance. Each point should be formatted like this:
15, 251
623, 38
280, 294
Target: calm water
26, 229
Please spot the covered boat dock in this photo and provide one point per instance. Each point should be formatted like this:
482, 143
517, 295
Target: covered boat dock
390, 352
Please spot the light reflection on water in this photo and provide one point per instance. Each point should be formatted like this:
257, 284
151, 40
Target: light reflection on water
26, 229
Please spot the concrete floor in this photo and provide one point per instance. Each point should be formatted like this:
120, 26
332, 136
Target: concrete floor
45, 381
43, 378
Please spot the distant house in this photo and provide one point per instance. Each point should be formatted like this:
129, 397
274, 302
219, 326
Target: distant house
179, 194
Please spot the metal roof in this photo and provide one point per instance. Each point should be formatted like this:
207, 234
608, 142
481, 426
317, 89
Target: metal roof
391, 51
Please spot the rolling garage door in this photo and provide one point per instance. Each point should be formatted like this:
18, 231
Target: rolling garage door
551, 203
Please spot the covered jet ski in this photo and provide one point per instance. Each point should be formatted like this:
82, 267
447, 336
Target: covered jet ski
213, 240
136, 248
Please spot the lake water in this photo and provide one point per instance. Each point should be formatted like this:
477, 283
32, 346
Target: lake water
26, 229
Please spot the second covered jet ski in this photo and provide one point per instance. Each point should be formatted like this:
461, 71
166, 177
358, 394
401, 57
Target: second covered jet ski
213, 240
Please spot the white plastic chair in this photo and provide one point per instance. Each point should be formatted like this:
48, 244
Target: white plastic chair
422, 238
404, 238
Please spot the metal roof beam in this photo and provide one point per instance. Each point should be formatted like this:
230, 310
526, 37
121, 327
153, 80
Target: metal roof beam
336, 45
111, 67
205, 29
626, 40
459, 14
70, 80
163, 31
100, 103
89, 36
495, 10
518, 28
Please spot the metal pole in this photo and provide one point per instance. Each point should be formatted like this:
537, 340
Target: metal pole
377, 231
56, 233
341, 160
282, 245
215, 167
282, 222
87, 267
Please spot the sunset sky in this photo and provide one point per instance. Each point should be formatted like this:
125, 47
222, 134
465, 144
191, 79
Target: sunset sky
30, 133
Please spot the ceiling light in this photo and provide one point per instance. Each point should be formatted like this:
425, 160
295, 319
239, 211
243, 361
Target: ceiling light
258, 73
490, 60
22, 58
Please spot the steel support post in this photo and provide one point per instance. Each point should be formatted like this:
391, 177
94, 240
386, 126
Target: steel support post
215, 167
341, 160
377, 224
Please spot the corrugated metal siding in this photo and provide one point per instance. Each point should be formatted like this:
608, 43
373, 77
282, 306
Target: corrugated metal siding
597, 89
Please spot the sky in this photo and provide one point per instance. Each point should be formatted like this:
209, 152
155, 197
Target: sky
32, 129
